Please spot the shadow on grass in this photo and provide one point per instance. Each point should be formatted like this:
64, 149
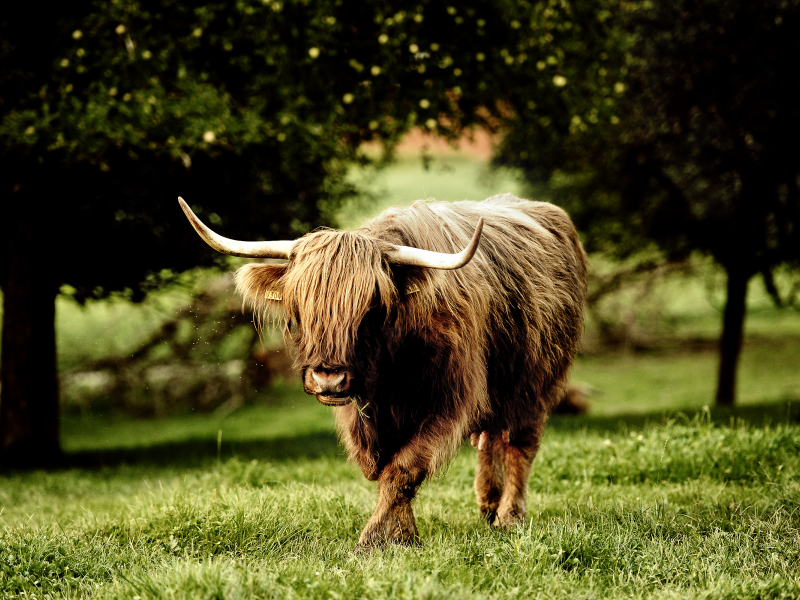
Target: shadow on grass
756, 415
200, 452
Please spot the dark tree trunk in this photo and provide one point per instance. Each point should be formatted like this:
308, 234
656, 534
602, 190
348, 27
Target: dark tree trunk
29, 416
730, 346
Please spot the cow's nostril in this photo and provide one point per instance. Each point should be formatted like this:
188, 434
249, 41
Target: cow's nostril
327, 378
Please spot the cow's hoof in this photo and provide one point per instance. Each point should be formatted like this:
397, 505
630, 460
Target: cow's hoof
363, 548
366, 547
402, 536
395, 526
508, 519
489, 513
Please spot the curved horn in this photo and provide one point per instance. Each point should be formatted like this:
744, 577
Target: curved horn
404, 255
279, 249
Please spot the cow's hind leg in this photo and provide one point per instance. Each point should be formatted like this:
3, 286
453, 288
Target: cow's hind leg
519, 450
489, 472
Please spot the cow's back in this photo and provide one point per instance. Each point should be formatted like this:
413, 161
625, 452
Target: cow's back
516, 309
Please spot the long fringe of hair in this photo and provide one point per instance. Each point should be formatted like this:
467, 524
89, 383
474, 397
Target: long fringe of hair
501, 331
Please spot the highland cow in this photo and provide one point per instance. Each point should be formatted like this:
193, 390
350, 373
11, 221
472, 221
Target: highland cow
425, 327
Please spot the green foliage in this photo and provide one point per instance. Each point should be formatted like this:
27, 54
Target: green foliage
682, 138
252, 110
166, 78
159, 76
699, 153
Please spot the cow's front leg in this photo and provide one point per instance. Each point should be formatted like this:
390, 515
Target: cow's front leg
393, 520
489, 472
426, 453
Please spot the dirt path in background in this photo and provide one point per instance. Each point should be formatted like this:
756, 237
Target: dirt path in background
478, 145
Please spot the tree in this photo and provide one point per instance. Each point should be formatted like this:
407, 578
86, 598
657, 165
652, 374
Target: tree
254, 110
109, 111
251, 110
700, 151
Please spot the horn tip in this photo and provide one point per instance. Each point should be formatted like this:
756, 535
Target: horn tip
478, 230
190, 214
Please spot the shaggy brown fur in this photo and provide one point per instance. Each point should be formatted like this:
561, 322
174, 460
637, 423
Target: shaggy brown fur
483, 349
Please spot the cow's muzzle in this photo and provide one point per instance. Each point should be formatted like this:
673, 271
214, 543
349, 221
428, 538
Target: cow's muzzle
331, 385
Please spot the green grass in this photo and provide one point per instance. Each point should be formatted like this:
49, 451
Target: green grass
115, 326
656, 499
448, 178
682, 379
682, 509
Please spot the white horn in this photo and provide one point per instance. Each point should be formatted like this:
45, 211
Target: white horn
404, 255
278, 249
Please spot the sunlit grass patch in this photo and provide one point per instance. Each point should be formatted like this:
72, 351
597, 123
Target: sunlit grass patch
446, 179
675, 508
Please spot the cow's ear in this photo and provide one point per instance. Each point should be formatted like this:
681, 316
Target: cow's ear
260, 285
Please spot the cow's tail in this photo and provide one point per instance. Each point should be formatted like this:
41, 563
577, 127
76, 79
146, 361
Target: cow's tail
575, 399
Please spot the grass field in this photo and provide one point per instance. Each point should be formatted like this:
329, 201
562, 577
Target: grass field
650, 499
677, 508
447, 178
650, 496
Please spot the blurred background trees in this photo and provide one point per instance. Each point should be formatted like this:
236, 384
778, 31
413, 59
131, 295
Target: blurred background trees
109, 111
663, 128
681, 135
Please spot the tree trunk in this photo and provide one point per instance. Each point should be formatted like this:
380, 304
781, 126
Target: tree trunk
29, 416
730, 346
